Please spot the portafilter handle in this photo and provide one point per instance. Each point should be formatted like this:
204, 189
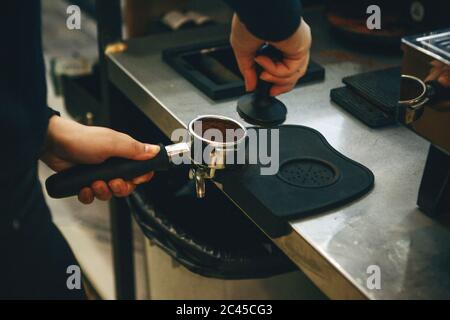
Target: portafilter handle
437, 91
69, 182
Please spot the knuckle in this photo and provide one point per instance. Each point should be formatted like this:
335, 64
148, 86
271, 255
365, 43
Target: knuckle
136, 146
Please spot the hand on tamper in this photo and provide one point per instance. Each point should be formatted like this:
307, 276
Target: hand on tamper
258, 107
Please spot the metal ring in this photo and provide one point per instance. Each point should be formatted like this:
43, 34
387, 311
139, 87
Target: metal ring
420, 99
223, 144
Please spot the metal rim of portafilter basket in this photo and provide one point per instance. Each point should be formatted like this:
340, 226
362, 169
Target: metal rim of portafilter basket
421, 97
219, 150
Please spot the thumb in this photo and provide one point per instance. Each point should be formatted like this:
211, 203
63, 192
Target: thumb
127, 147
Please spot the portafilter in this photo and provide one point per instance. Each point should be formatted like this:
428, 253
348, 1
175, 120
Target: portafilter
211, 140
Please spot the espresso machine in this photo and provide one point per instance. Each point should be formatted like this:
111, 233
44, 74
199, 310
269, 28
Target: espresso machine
424, 108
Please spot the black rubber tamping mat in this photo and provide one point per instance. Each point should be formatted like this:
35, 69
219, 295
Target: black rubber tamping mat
380, 87
361, 108
312, 178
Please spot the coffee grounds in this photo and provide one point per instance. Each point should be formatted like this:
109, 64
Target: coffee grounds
224, 126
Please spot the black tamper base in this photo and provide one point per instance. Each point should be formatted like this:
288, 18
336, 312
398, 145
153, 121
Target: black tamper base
271, 114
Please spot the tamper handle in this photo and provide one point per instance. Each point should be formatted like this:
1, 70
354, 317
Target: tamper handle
262, 91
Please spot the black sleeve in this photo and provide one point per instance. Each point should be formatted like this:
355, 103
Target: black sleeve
270, 20
50, 112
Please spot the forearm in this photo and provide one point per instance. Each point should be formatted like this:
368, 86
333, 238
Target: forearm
270, 20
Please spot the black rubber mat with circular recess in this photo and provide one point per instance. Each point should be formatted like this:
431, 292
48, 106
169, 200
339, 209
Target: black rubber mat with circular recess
308, 173
312, 178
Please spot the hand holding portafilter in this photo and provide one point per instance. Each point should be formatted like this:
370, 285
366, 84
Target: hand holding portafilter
69, 182
259, 107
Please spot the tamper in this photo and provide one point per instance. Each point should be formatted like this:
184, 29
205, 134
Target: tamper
258, 107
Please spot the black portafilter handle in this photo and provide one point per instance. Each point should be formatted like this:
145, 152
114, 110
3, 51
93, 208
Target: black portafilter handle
69, 182
436, 91
262, 91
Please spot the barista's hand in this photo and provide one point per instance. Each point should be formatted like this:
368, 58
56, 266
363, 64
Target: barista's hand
439, 72
284, 74
69, 143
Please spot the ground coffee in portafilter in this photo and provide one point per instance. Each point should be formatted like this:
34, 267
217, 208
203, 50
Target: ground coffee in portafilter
224, 126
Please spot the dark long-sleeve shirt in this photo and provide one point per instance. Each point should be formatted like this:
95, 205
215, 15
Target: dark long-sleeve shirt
270, 20
23, 112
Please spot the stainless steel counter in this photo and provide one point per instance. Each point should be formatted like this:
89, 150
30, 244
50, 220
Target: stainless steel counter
334, 249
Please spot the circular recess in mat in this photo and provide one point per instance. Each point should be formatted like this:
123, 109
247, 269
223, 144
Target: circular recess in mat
308, 173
